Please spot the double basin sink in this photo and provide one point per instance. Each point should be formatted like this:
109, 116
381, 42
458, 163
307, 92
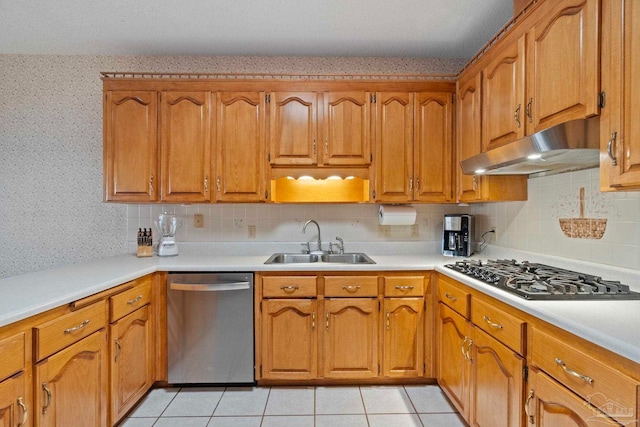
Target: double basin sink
347, 258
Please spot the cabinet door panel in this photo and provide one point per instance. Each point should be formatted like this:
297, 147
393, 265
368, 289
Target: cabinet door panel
289, 339
403, 337
433, 148
503, 112
347, 128
453, 372
293, 128
468, 135
131, 146
71, 385
15, 407
394, 142
496, 383
351, 338
562, 69
131, 361
239, 146
186, 146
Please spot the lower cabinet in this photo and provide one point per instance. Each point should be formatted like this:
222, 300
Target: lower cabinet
71, 385
289, 339
550, 404
14, 401
131, 360
350, 338
403, 345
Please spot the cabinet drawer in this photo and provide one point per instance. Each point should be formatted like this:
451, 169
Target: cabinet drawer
405, 286
12, 351
130, 300
454, 296
351, 286
65, 330
501, 325
289, 286
592, 379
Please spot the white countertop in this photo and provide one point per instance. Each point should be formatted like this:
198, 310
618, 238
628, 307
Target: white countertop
614, 325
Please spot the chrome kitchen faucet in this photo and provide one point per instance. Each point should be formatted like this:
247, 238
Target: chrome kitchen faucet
304, 228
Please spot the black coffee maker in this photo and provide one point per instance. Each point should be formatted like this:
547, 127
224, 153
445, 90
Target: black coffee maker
457, 235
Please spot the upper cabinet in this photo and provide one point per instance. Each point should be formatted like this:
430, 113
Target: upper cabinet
414, 147
185, 144
130, 146
319, 129
543, 74
239, 146
619, 126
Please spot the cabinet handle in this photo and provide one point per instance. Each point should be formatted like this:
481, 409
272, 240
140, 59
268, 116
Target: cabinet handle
526, 407
289, 289
351, 288
462, 347
25, 412
528, 110
118, 349
469, 344
326, 147
475, 183
314, 147
573, 373
388, 321
450, 297
151, 185
47, 392
206, 183
218, 184
614, 159
135, 300
516, 116
410, 183
404, 288
75, 328
417, 183
313, 321
490, 323
327, 321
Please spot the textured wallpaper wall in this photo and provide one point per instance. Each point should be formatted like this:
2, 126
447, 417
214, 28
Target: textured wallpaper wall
51, 210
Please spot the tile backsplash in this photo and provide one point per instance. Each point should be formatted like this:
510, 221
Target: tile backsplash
534, 225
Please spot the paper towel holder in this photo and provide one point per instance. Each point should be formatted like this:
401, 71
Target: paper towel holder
396, 214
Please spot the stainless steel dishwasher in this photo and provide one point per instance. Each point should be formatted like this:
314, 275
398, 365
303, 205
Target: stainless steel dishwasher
210, 328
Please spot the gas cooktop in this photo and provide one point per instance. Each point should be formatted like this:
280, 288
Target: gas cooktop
543, 282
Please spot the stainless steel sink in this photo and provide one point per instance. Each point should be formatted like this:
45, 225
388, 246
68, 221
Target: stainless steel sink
348, 258
292, 258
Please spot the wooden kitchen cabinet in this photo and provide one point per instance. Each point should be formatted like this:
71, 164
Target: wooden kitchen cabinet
350, 338
289, 339
71, 385
240, 140
414, 137
619, 127
185, 146
293, 128
503, 107
550, 404
130, 150
403, 344
346, 129
16, 409
132, 347
479, 188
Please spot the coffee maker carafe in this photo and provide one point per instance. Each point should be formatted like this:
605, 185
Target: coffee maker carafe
457, 236
166, 225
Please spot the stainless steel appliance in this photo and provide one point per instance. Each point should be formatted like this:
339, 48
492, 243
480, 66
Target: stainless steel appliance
457, 235
543, 282
210, 328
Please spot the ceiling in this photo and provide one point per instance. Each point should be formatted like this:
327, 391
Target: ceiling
384, 28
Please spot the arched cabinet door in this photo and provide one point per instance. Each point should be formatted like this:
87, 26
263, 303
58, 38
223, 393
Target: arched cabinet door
293, 128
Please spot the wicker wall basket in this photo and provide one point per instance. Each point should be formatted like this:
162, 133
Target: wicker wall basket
583, 228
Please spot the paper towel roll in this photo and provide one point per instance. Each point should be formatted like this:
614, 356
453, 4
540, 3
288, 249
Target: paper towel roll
396, 215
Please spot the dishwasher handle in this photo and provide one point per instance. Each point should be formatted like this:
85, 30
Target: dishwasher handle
210, 287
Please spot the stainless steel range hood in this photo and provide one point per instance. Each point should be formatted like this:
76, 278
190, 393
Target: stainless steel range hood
566, 147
